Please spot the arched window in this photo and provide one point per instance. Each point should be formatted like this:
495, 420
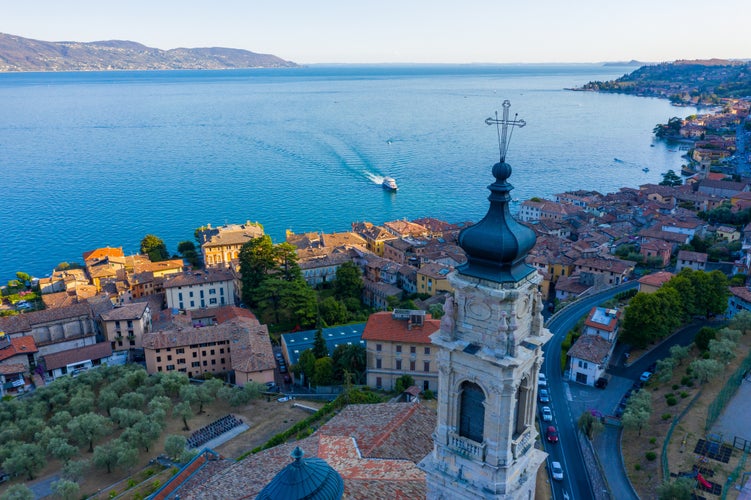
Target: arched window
472, 412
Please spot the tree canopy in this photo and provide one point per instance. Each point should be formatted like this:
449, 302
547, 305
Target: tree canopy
154, 247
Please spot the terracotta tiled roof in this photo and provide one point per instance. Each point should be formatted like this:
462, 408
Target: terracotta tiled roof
597, 315
227, 313
343, 443
590, 348
12, 369
19, 346
692, 256
741, 292
656, 279
198, 277
102, 253
131, 311
382, 326
64, 358
58, 314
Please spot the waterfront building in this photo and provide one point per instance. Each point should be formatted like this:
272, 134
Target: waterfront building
221, 245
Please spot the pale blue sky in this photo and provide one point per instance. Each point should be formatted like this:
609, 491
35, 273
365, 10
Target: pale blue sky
420, 31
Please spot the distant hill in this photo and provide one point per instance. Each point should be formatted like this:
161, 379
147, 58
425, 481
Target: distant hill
24, 54
684, 82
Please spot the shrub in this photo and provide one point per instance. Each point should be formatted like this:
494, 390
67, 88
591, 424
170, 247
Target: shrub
653, 440
665, 416
651, 455
669, 395
684, 394
685, 380
428, 394
675, 387
637, 466
671, 401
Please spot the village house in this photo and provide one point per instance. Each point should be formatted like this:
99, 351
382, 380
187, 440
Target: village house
240, 344
124, 326
398, 343
652, 282
76, 360
603, 322
17, 358
375, 237
56, 329
691, 260
656, 251
199, 289
376, 294
432, 278
588, 359
739, 300
728, 233
612, 271
438, 228
406, 229
221, 245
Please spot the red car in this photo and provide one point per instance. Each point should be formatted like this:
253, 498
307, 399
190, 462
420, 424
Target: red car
551, 435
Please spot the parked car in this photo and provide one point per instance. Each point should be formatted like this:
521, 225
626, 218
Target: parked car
601, 382
645, 376
22, 304
547, 414
542, 381
544, 396
557, 471
551, 434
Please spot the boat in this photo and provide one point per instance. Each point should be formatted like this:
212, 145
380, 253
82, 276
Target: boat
389, 184
617, 160
645, 169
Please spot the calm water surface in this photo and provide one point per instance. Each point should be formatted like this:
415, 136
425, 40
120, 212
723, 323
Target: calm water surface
96, 159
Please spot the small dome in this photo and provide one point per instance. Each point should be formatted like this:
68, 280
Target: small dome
304, 479
497, 245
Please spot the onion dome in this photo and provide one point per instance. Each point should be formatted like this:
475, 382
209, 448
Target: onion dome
497, 245
308, 479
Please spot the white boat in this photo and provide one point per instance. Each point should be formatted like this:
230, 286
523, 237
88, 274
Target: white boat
389, 183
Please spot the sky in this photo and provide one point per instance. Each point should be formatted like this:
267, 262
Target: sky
404, 31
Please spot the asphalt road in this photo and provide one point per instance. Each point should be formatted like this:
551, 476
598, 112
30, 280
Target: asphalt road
576, 482
569, 400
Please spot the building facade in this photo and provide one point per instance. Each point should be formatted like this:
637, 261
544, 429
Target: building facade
200, 289
398, 343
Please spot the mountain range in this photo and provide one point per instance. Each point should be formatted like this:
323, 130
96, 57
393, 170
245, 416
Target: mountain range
25, 54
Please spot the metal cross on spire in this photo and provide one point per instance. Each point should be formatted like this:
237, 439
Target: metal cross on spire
504, 123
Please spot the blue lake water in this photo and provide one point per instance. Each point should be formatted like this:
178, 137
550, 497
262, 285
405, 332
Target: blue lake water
96, 159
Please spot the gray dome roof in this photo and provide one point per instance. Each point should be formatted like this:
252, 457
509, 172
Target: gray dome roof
304, 479
497, 245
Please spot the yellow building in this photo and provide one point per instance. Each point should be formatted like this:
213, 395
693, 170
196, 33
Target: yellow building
433, 278
221, 245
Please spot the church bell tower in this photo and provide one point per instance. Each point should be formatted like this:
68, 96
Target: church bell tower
489, 354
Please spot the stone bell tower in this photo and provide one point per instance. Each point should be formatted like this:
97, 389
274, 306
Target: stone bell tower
489, 354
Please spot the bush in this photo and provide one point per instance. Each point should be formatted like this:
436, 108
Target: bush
675, 387
671, 401
653, 440
428, 394
685, 380
684, 395
637, 466
665, 416
651, 455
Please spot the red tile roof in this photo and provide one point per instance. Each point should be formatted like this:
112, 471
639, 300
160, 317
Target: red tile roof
382, 326
90, 352
102, 253
375, 448
19, 346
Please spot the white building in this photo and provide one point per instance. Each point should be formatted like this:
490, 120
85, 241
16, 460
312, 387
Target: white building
589, 358
200, 289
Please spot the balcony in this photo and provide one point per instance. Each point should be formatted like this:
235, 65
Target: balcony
521, 444
467, 447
